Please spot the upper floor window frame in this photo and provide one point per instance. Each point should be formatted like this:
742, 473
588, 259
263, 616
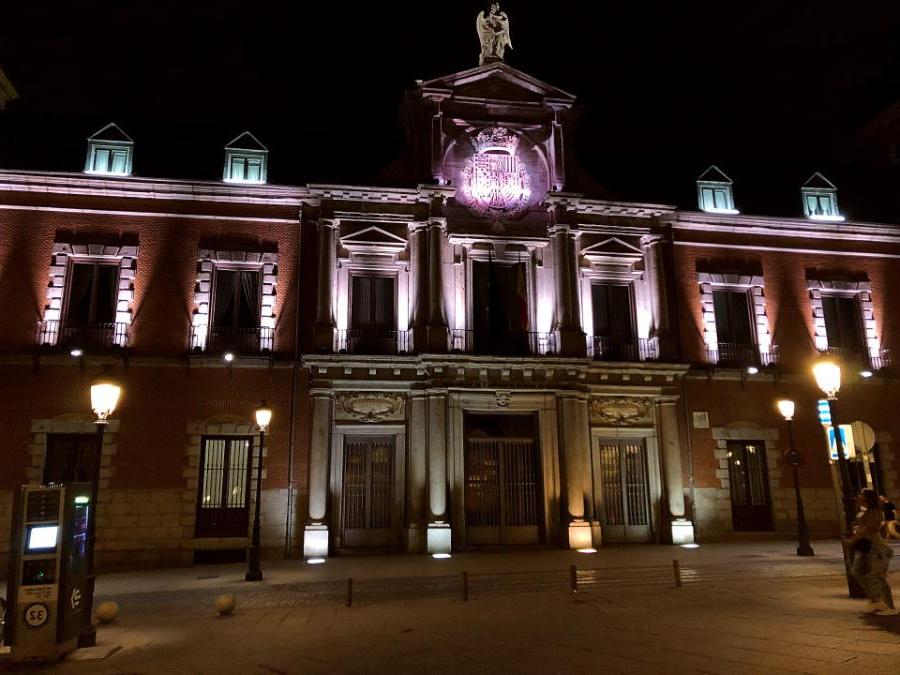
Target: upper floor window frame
246, 160
96, 263
820, 199
110, 152
715, 192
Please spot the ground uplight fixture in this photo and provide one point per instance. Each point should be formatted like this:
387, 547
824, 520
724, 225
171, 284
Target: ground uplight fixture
752, 370
315, 561
228, 356
586, 550
76, 352
440, 556
866, 373
690, 546
786, 408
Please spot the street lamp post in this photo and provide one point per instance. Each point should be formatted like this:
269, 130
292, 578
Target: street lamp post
104, 399
794, 458
254, 573
828, 378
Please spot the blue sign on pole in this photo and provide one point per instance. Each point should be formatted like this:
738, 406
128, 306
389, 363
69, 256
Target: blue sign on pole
824, 411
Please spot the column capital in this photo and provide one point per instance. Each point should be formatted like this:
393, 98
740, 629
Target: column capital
418, 225
329, 223
321, 393
561, 228
437, 223
652, 238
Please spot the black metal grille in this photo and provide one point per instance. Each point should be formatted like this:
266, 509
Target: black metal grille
741, 355
372, 341
219, 340
509, 343
82, 336
603, 348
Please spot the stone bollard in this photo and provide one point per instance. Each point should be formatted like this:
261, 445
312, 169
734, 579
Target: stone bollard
225, 604
106, 612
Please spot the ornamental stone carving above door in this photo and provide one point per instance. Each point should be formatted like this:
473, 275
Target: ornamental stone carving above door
619, 411
370, 407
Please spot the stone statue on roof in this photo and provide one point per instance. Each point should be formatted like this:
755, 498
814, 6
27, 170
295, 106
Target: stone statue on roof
493, 32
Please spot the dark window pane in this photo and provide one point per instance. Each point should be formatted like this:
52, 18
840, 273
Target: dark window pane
248, 313
612, 311
70, 458
842, 324
107, 278
732, 311
223, 316
81, 285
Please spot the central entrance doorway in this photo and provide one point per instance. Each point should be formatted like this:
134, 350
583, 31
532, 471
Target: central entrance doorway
621, 488
502, 487
368, 514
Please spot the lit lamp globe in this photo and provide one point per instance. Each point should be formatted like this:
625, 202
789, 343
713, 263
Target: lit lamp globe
786, 408
828, 377
263, 417
104, 398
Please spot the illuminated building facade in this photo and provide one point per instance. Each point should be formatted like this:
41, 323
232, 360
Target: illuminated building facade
478, 356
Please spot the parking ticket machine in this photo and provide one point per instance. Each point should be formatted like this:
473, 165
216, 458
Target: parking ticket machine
47, 578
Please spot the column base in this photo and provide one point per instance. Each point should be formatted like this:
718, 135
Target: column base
682, 531
415, 538
571, 343
439, 540
315, 541
581, 535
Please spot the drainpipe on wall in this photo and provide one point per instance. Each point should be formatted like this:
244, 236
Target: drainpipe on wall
295, 374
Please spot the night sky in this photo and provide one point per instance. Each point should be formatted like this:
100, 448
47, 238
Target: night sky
768, 91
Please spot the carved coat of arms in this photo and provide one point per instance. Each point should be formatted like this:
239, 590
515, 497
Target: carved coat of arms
494, 182
619, 411
370, 407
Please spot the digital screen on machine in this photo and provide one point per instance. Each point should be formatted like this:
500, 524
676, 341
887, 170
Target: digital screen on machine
42, 537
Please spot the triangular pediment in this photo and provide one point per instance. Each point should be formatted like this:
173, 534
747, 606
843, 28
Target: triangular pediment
111, 133
246, 141
497, 81
818, 182
613, 246
714, 175
373, 236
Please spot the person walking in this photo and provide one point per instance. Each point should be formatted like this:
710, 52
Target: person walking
891, 530
871, 555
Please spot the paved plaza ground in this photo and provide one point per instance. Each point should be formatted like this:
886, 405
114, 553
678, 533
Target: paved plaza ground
743, 608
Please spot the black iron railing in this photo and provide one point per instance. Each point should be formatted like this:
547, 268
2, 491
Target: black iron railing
506, 343
604, 348
860, 356
741, 355
82, 336
372, 341
221, 340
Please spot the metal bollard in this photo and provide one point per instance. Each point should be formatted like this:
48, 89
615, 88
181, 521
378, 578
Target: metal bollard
573, 578
676, 568
350, 592
465, 584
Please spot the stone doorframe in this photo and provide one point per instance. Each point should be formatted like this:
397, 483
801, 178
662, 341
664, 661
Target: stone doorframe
336, 483
654, 475
745, 431
503, 402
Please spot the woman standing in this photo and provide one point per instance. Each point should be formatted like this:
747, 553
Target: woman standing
871, 555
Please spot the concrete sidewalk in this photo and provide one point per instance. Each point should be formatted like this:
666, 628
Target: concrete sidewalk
744, 608
278, 572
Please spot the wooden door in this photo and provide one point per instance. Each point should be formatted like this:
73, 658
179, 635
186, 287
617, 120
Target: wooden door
223, 503
751, 508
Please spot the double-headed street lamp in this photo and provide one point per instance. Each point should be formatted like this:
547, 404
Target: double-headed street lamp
828, 377
105, 395
794, 459
254, 573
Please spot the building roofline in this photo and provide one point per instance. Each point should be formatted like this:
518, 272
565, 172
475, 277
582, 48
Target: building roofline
699, 221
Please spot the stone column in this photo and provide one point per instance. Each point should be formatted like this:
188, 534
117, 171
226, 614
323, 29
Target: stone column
416, 475
655, 247
574, 434
569, 335
418, 257
323, 328
680, 529
438, 516
436, 331
315, 539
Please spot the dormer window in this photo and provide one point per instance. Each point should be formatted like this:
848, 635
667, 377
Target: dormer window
820, 199
109, 152
245, 160
714, 192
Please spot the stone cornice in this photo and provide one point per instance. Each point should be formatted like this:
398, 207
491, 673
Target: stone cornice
150, 188
786, 227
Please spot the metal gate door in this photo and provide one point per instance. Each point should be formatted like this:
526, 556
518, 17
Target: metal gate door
749, 483
502, 491
367, 500
223, 506
621, 490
